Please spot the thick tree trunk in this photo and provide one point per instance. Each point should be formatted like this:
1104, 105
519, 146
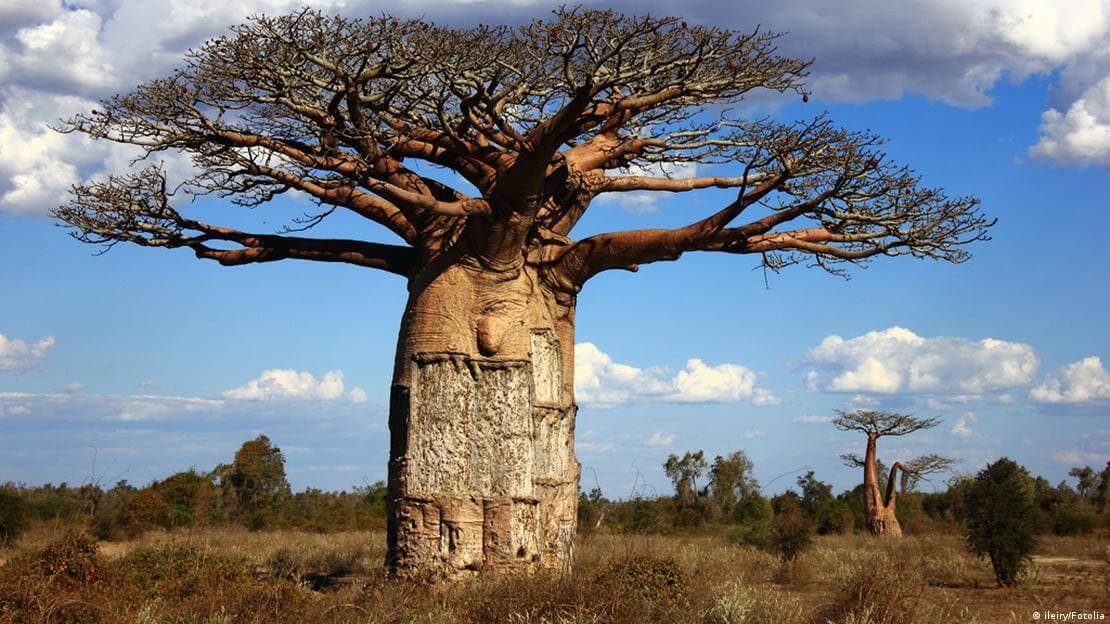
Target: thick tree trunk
879, 511
482, 472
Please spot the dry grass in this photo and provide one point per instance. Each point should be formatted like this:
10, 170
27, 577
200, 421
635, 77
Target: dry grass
211, 576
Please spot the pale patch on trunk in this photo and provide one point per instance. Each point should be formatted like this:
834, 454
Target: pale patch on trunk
466, 437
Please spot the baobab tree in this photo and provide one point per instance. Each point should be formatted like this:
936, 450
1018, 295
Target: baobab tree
478, 150
879, 507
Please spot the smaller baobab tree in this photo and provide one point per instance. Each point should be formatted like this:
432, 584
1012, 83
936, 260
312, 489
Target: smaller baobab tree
879, 508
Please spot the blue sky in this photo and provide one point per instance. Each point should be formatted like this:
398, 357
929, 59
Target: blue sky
142, 361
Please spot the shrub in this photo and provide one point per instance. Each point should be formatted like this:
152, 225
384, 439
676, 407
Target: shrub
645, 574
14, 514
738, 603
72, 560
1079, 519
881, 593
1001, 517
792, 532
143, 511
55, 584
176, 571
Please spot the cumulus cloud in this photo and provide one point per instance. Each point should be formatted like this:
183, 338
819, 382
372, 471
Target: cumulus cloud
289, 384
660, 439
962, 428
1085, 381
21, 355
896, 360
1081, 134
602, 383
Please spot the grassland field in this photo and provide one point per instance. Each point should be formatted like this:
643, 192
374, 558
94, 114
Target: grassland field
225, 575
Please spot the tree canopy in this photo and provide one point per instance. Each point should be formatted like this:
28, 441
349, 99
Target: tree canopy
879, 423
533, 122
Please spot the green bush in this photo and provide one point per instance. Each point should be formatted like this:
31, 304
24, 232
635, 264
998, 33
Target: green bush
176, 571
14, 515
1001, 518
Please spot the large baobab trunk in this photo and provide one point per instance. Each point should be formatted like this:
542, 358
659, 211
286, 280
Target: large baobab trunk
879, 510
482, 472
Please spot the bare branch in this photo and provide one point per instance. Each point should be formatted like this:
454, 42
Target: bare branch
136, 208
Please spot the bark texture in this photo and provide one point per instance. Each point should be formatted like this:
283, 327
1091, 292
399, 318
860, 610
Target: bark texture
482, 470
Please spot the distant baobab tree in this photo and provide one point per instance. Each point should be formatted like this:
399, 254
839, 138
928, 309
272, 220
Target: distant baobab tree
879, 508
534, 122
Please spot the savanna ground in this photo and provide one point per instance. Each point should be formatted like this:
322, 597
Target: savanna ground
217, 575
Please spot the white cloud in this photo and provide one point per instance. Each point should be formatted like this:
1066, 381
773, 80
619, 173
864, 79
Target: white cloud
13, 410
896, 360
753, 435
660, 439
1084, 381
600, 382
1077, 457
21, 355
811, 419
63, 53
282, 384
1081, 135
38, 165
589, 442
962, 428
700, 382
73, 405
357, 395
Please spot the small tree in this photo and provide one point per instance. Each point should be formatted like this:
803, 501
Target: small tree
732, 482
1102, 494
1001, 518
1086, 481
879, 510
684, 474
792, 531
255, 482
827, 514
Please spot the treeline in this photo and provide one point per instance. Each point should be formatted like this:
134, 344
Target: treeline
251, 491
723, 496
720, 496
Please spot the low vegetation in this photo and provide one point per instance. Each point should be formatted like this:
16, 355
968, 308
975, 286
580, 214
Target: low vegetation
237, 545
228, 574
